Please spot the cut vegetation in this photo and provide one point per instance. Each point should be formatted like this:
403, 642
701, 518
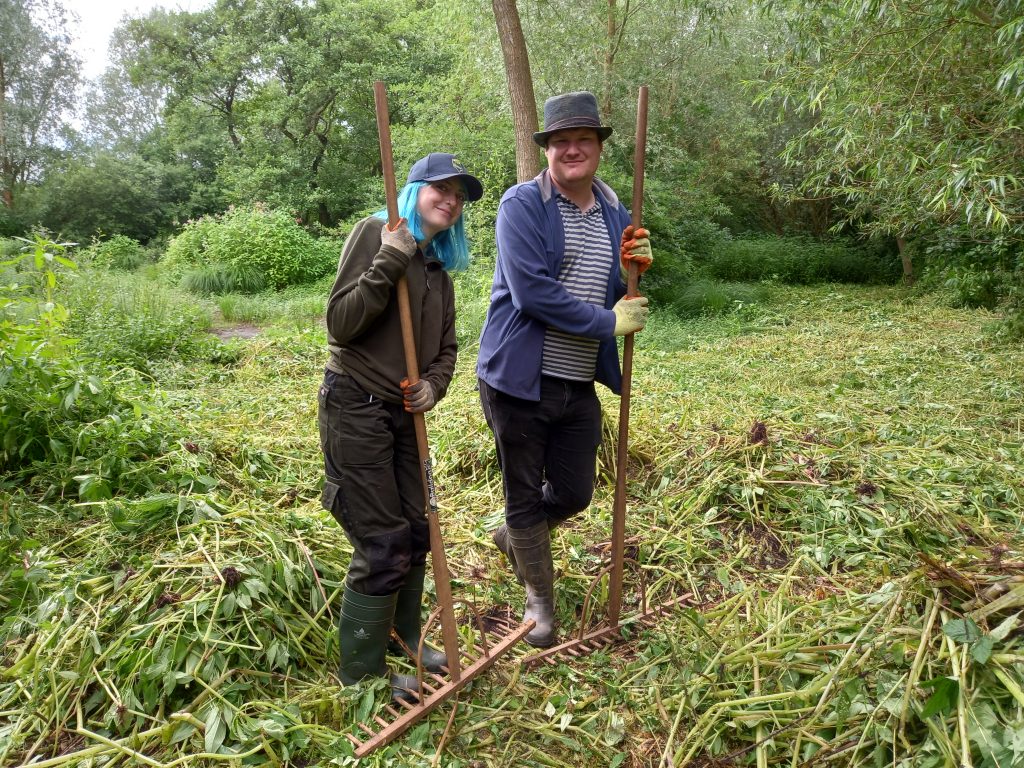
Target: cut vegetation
834, 478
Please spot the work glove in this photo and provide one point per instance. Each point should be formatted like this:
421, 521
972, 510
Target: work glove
636, 248
399, 238
630, 315
418, 397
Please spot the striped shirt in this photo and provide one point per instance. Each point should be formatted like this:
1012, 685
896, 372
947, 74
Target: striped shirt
584, 273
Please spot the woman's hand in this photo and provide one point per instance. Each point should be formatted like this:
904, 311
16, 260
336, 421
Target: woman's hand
399, 238
418, 397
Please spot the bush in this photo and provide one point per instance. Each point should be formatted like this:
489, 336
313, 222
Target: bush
800, 261
187, 250
250, 241
53, 409
712, 297
223, 278
130, 320
977, 274
119, 253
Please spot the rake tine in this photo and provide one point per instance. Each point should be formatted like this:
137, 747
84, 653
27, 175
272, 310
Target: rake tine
407, 704
415, 712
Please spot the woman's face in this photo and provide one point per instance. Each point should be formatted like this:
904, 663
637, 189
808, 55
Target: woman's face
439, 205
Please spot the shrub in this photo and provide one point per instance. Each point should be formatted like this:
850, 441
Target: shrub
130, 320
712, 297
251, 241
119, 252
977, 274
53, 409
187, 250
799, 261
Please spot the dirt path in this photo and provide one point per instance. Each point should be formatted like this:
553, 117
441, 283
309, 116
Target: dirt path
236, 331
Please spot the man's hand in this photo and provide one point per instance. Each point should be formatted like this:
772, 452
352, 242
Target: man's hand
630, 315
399, 238
636, 248
418, 397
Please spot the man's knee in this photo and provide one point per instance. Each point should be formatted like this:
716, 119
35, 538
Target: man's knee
566, 501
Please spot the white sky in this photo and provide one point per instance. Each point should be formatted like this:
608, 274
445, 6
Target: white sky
97, 19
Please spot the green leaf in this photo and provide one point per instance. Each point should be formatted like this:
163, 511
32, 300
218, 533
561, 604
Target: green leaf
182, 732
216, 730
1005, 627
616, 729
982, 649
365, 706
943, 699
962, 630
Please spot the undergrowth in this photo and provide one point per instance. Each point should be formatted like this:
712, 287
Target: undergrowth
828, 482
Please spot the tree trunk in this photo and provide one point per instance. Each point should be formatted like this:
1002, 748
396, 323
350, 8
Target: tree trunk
609, 63
7, 193
520, 86
908, 267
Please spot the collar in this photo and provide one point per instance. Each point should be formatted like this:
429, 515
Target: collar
601, 190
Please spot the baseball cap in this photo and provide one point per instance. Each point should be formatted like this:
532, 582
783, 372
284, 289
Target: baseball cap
440, 165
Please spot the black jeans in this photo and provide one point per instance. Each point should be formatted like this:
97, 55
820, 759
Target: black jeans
373, 486
547, 450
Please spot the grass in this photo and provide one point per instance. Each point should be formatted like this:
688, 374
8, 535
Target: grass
833, 478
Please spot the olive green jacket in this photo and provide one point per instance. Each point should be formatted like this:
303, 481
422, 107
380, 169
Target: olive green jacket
364, 333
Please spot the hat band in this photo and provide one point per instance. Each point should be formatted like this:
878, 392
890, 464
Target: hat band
573, 122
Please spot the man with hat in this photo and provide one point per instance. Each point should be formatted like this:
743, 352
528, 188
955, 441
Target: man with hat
557, 304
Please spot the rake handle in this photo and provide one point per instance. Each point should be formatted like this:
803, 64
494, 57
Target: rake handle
442, 577
632, 284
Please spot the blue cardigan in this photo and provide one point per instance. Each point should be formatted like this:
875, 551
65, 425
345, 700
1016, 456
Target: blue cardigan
526, 296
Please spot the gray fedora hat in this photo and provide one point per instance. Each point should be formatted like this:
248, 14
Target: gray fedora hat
571, 110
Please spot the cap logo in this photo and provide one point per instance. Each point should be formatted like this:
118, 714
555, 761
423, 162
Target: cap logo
457, 165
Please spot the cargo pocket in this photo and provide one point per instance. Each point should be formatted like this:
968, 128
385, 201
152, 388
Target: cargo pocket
333, 500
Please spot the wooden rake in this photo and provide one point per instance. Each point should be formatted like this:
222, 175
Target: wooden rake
610, 632
463, 664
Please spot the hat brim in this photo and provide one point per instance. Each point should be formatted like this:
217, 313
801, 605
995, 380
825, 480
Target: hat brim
541, 137
474, 189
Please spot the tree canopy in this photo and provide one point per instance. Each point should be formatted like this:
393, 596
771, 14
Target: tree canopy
873, 119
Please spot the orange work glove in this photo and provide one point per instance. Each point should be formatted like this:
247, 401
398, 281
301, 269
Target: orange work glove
418, 397
636, 248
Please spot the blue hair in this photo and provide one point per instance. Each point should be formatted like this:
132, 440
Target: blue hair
449, 247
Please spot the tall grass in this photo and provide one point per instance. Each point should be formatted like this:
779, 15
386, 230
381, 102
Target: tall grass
800, 261
833, 480
223, 278
131, 320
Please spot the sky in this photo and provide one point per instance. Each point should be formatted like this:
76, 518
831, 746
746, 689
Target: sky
97, 19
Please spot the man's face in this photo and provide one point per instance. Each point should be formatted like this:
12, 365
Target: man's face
573, 156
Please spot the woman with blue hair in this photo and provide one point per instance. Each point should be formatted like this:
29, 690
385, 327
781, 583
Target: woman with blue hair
373, 486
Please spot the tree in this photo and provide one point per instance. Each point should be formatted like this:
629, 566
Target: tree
913, 112
38, 76
520, 86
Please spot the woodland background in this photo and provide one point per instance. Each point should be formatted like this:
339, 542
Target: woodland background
826, 441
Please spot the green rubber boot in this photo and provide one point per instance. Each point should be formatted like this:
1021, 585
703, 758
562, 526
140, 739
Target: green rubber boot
408, 626
364, 628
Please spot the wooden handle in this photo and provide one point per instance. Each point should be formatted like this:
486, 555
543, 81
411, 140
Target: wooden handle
442, 577
632, 283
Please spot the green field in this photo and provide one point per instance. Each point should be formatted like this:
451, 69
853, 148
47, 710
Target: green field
833, 476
